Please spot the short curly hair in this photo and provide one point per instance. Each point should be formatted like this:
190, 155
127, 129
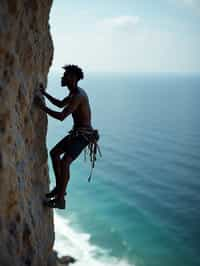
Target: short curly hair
74, 69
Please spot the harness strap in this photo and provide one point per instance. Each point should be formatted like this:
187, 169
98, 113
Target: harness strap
92, 136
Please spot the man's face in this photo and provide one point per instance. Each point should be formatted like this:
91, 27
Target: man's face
68, 79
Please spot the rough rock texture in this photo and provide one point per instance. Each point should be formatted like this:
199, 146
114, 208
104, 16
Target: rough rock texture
60, 261
26, 51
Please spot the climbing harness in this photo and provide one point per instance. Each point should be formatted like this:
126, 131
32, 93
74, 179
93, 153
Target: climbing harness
92, 136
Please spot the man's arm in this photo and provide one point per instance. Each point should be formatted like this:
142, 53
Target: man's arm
53, 100
65, 101
54, 114
73, 103
59, 103
42, 106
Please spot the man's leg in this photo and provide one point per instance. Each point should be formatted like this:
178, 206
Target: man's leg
73, 149
55, 153
56, 163
65, 174
59, 201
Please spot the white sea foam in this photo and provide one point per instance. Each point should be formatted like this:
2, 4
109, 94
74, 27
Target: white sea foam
69, 241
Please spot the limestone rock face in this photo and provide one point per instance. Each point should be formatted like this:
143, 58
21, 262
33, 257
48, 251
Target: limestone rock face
26, 52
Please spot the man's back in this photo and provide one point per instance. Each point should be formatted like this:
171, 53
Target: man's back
82, 115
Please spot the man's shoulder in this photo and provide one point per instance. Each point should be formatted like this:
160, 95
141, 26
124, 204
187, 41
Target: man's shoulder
82, 92
76, 98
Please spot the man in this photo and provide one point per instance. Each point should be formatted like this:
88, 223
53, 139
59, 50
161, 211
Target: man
81, 135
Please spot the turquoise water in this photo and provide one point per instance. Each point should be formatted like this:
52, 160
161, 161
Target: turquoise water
142, 205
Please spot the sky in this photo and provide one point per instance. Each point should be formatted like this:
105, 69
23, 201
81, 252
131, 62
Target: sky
126, 36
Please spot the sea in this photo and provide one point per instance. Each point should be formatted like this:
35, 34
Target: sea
142, 206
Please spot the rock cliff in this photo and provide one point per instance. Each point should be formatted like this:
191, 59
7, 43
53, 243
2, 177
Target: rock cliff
26, 51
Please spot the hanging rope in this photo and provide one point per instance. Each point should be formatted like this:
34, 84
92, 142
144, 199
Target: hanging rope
92, 136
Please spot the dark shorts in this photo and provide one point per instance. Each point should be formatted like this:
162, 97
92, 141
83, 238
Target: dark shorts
74, 146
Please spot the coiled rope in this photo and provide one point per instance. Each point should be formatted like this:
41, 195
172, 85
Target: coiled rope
92, 136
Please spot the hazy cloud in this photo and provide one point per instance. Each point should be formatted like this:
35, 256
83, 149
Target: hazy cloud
119, 23
128, 43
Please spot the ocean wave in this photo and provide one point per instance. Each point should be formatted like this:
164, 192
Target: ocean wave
69, 241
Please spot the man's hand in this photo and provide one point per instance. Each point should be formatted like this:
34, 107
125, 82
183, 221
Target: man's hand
42, 90
41, 105
39, 102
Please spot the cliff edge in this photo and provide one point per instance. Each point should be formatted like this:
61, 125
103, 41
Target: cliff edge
26, 52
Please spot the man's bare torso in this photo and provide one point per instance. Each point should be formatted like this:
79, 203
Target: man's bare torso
82, 115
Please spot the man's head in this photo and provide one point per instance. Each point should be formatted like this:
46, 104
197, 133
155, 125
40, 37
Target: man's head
71, 76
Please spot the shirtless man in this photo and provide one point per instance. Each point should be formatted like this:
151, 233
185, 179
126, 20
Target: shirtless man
77, 105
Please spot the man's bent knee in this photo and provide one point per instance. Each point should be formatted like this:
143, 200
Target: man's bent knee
55, 152
67, 159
